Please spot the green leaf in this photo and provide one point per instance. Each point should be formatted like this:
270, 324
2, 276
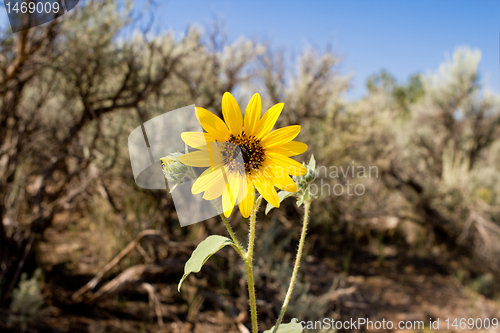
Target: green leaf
202, 253
293, 327
282, 195
300, 201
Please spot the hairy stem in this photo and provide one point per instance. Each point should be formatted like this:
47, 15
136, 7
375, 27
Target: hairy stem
307, 205
249, 266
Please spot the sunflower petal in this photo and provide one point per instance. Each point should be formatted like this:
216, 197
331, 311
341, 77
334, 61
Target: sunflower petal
216, 189
227, 205
197, 139
235, 183
216, 154
199, 158
207, 180
280, 136
285, 183
246, 205
266, 124
286, 164
229, 196
232, 114
278, 176
266, 189
252, 114
291, 148
243, 187
212, 124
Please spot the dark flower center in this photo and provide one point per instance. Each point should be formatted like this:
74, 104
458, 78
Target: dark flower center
250, 148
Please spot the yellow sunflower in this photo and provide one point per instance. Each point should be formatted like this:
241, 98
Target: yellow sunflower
243, 155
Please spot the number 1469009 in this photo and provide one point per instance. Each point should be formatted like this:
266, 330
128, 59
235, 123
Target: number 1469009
32, 7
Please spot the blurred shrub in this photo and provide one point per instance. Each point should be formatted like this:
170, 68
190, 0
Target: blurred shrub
27, 301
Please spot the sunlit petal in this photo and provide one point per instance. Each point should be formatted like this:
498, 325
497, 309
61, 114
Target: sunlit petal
252, 114
246, 204
229, 196
207, 180
291, 148
288, 165
197, 140
280, 136
266, 124
197, 159
212, 124
266, 189
285, 183
232, 114
216, 189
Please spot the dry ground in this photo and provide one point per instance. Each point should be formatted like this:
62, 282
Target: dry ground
401, 287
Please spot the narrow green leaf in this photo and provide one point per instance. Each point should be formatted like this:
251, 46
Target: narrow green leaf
282, 195
202, 253
300, 201
293, 327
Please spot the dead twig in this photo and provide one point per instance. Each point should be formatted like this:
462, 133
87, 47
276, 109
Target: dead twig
77, 296
154, 301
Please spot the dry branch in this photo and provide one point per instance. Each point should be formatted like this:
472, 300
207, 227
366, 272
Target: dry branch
77, 296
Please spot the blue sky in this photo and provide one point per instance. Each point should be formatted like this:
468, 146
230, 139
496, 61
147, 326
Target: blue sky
403, 37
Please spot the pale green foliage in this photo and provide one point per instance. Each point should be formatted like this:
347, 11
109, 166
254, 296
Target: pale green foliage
451, 128
455, 76
27, 300
311, 89
435, 142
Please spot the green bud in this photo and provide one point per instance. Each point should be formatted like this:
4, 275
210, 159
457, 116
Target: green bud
303, 182
174, 169
310, 176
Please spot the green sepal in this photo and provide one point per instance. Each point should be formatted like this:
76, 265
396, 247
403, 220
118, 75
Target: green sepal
282, 195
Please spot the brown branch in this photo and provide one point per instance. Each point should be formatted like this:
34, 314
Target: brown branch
154, 301
77, 296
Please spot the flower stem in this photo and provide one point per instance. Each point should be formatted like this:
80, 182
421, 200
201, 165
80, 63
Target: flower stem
307, 205
249, 266
237, 245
